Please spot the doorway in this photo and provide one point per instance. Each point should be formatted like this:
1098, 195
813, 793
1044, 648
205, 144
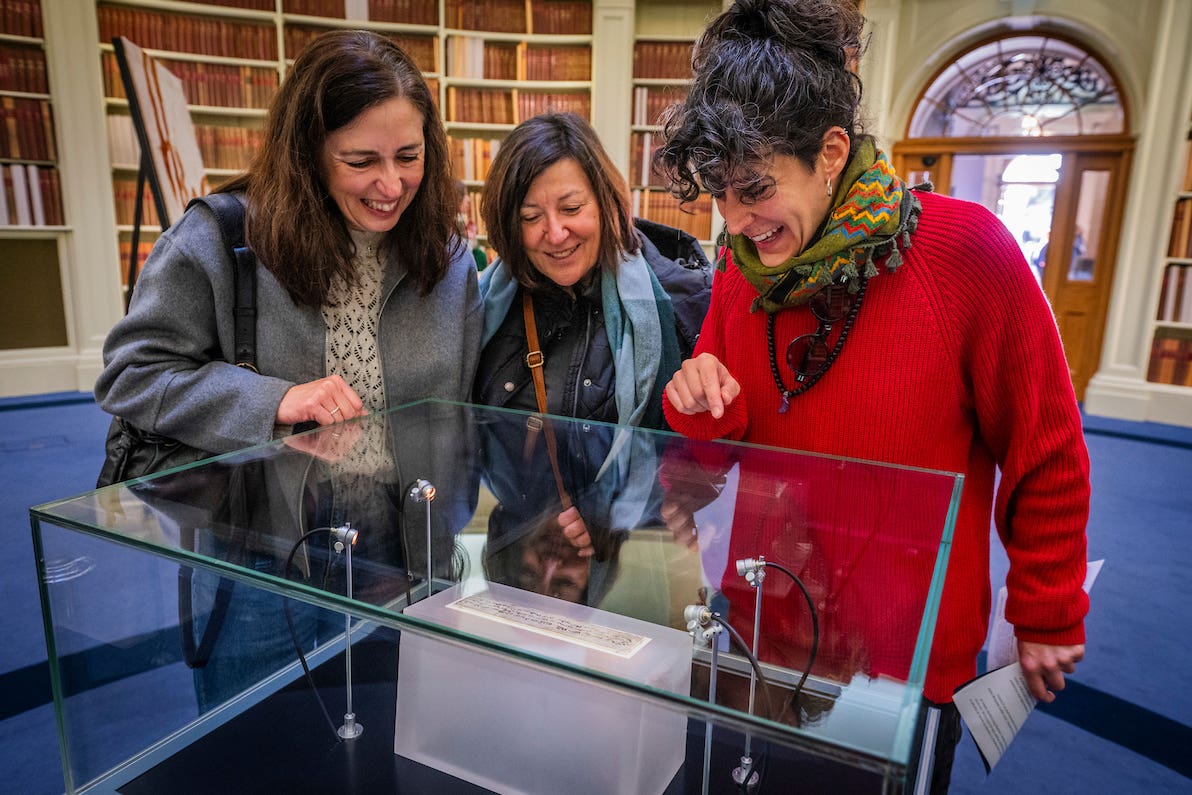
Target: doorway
1033, 128
1062, 200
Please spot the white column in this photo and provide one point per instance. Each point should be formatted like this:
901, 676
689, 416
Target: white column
612, 76
91, 277
878, 70
1119, 388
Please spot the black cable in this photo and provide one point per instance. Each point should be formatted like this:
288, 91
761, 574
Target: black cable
760, 759
757, 669
814, 636
294, 632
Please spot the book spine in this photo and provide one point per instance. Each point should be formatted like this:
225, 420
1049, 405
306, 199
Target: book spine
20, 194
36, 203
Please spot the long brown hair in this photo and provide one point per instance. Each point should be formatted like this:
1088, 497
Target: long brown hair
294, 225
534, 146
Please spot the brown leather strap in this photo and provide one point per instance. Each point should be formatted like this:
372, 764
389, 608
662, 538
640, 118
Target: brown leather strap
535, 360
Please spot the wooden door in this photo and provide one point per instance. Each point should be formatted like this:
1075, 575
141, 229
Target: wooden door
1081, 252
1078, 266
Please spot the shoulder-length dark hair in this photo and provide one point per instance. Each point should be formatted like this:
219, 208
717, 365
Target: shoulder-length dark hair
294, 225
771, 77
532, 147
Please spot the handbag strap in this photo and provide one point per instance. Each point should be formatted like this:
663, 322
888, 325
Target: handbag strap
245, 311
229, 212
196, 656
535, 360
228, 209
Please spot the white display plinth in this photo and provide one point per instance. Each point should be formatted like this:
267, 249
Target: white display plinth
514, 728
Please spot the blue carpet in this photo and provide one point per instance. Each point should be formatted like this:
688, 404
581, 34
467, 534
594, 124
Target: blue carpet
1123, 726
50, 446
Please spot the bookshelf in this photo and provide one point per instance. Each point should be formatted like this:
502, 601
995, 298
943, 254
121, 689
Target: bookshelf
664, 33
32, 223
230, 57
503, 62
489, 65
1170, 360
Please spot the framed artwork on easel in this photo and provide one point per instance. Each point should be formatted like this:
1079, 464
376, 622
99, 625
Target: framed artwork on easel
171, 162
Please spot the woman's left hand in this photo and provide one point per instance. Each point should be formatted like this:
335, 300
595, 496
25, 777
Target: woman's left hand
576, 532
1044, 666
325, 401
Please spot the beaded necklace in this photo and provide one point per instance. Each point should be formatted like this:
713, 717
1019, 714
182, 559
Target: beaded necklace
803, 383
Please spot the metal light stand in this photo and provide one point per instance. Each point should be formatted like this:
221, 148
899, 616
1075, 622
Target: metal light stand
705, 629
343, 539
423, 490
754, 572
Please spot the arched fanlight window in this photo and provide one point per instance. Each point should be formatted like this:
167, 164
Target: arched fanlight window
1021, 85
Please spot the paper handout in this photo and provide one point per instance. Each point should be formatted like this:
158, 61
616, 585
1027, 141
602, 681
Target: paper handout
996, 704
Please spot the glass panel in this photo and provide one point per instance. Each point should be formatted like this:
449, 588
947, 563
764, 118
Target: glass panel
1019, 189
1090, 217
1021, 85
440, 520
919, 177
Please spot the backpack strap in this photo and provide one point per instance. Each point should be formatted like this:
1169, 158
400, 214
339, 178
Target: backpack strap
245, 311
229, 212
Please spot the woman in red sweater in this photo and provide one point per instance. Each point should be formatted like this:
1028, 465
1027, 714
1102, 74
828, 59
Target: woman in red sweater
855, 317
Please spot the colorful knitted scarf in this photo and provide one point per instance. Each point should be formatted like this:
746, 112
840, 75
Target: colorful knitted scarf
871, 219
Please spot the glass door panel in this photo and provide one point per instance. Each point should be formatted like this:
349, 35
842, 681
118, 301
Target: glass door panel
1089, 225
1019, 189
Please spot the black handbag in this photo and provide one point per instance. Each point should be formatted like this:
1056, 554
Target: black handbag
134, 453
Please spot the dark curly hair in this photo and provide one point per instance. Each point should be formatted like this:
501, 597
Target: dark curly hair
771, 77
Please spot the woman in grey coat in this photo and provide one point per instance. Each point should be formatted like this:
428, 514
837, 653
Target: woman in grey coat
366, 299
365, 296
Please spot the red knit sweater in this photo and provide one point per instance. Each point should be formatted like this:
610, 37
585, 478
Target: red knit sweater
954, 363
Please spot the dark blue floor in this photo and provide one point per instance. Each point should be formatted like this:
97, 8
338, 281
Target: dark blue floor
1124, 725
49, 448
1129, 705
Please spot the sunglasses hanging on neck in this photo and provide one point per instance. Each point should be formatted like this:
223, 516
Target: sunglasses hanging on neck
808, 355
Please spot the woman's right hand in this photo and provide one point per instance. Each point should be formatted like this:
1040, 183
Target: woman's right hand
324, 401
702, 384
330, 444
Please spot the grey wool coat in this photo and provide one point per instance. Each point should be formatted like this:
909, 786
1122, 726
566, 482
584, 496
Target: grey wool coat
166, 363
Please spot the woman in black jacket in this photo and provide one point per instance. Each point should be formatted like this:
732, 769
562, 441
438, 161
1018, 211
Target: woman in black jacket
605, 308
617, 304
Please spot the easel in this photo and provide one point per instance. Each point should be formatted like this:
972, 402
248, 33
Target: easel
170, 161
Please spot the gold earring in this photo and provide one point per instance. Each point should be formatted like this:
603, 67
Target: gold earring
723, 242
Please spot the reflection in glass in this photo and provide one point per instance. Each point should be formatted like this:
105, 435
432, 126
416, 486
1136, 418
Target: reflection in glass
1090, 214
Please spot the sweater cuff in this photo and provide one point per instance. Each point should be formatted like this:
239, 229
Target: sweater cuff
704, 426
1069, 636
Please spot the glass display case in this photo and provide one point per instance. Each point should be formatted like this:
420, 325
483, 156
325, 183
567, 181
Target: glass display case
448, 598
